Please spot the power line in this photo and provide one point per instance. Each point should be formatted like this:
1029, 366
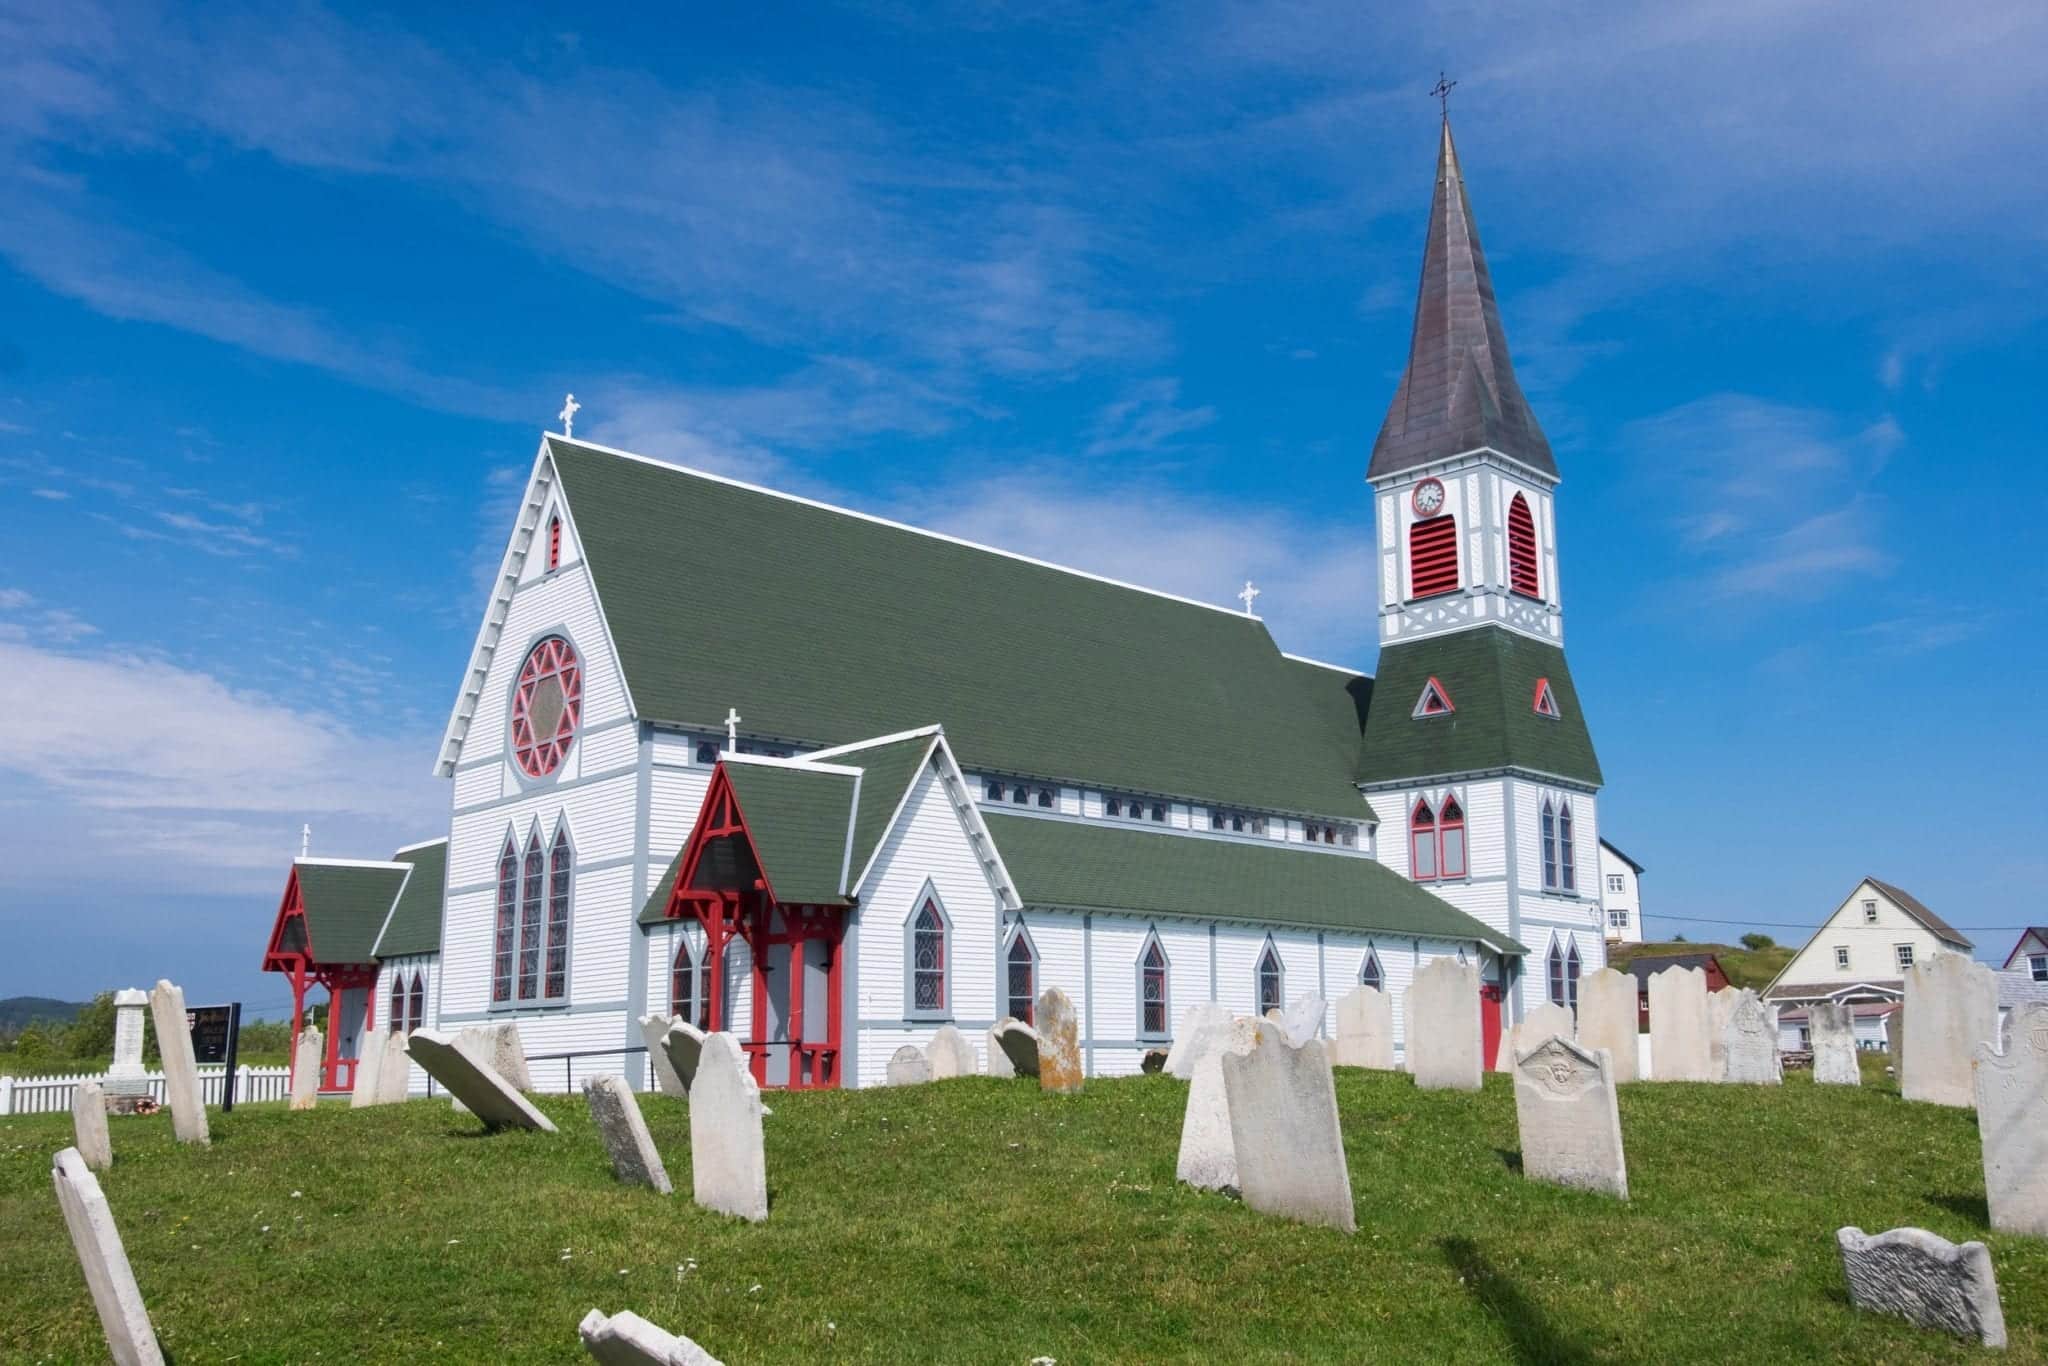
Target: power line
1793, 925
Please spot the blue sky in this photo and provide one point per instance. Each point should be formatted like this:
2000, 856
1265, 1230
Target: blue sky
288, 294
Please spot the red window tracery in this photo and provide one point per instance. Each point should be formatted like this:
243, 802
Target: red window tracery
546, 706
1522, 548
1433, 557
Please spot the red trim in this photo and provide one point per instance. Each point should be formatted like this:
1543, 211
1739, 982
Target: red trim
1433, 557
554, 544
1545, 702
1422, 840
1450, 816
1415, 496
552, 658
1435, 699
1522, 577
304, 970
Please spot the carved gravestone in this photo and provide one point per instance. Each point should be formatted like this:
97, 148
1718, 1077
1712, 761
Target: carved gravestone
1198, 1024
1440, 1026
1951, 1007
1059, 1043
1542, 1022
950, 1055
1680, 1026
1750, 1042
1283, 1126
908, 1066
653, 1029
181, 1069
307, 1059
130, 1339
1570, 1125
999, 1064
1304, 1019
683, 1044
476, 1084
1365, 1030
728, 1160
89, 1125
1607, 1019
635, 1161
1831, 1029
2012, 1124
1019, 1042
1208, 1153
626, 1339
1926, 1280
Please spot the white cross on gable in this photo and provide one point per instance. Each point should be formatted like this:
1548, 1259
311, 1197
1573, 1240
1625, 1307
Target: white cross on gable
570, 407
1248, 596
732, 730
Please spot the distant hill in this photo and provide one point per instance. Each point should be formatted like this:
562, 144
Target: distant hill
18, 1011
1745, 967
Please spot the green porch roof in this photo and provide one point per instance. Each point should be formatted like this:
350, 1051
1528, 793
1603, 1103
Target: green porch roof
1078, 865
414, 925
654, 910
1490, 673
798, 819
345, 906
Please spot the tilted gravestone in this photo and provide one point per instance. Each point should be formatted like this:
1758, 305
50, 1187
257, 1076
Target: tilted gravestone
1019, 1042
1926, 1280
2012, 1124
684, 1046
951, 1055
626, 1339
908, 1066
89, 1125
394, 1077
1365, 1030
1749, 1044
130, 1339
1681, 1026
1951, 1007
999, 1064
1304, 1019
1440, 1026
1283, 1126
728, 1160
653, 1029
1607, 1019
367, 1086
635, 1161
1208, 1153
499, 1048
1566, 1112
1199, 1025
307, 1060
1831, 1030
1542, 1022
475, 1083
181, 1069
1060, 1069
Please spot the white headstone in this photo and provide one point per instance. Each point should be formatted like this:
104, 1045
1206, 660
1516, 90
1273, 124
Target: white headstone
2012, 1124
1750, 1042
684, 1045
1059, 1043
626, 1339
1197, 1024
999, 1064
181, 1070
130, 1339
1440, 1026
951, 1055
1680, 1026
728, 1162
89, 1125
1720, 1006
1283, 1124
1570, 1125
1019, 1042
1608, 1019
1208, 1153
1831, 1030
368, 1086
616, 1113
908, 1066
1925, 1280
508, 1056
653, 1029
1951, 1007
394, 1074
127, 1080
1365, 1030
1544, 1021
474, 1082
1304, 1019
307, 1058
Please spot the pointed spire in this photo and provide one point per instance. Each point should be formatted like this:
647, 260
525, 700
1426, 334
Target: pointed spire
1459, 391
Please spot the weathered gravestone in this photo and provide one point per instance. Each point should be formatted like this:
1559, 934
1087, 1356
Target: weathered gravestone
1153, 1062
1831, 1030
999, 1064
89, 1125
728, 1163
1019, 1043
654, 1029
683, 1045
626, 1339
1544, 1021
1208, 1153
616, 1113
1304, 1019
1749, 1042
1951, 1007
951, 1055
127, 1080
181, 1069
1720, 1005
1926, 1280
1283, 1126
307, 1061
1365, 1030
366, 1088
1570, 1125
394, 1075
1059, 1043
500, 1048
908, 1066
1197, 1024
2012, 1124
130, 1339
1681, 1026
1440, 1026
475, 1083
1607, 1019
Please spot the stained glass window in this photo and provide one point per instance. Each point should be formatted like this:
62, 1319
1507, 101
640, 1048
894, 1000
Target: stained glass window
561, 867
508, 916
529, 921
928, 984
1023, 966
1152, 974
546, 706
1269, 980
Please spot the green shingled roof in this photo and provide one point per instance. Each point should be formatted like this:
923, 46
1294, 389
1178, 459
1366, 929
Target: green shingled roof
823, 626
797, 817
1490, 674
886, 773
414, 924
1078, 865
654, 910
345, 907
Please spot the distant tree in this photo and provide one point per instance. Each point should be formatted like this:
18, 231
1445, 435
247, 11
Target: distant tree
1678, 939
1754, 942
91, 1035
33, 1045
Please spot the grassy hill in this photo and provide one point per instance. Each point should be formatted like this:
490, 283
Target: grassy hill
1745, 967
19, 1011
976, 1221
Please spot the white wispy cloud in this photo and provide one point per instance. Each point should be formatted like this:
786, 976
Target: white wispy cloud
1148, 418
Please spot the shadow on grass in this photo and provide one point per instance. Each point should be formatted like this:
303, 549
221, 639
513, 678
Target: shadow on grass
1975, 1208
1531, 1336
1511, 1158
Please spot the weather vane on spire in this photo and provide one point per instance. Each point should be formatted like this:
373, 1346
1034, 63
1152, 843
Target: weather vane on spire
570, 407
1442, 90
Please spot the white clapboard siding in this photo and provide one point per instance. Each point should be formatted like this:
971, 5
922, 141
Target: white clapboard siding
601, 825
561, 604
676, 797
1528, 800
1485, 826
1114, 960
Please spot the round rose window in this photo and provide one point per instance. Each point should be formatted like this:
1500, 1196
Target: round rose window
546, 706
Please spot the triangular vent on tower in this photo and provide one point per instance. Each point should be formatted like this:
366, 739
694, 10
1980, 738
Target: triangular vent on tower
1434, 700
1546, 701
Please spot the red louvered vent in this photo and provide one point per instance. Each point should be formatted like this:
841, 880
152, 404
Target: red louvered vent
1522, 548
554, 543
1433, 557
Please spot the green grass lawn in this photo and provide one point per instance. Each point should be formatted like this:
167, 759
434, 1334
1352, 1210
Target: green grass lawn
976, 1221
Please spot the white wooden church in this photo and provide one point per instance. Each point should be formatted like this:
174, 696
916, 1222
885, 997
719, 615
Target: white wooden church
828, 781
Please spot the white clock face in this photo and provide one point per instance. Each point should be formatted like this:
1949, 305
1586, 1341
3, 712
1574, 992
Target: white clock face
1429, 498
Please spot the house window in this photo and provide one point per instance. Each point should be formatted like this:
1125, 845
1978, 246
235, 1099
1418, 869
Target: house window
1433, 557
1370, 974
928, 960
2039, 964
1618, 919
1614, 882
1870, 912
1905, 955
707, 751
1521, 548
1022, 962
396, 1024
554, 544
1152, 990
561, 869
507, 924
1435, 700
529, 920
1841, 957
1545, 701
687, 999
1271, 979
1422, 841
1450, 827
417, 1016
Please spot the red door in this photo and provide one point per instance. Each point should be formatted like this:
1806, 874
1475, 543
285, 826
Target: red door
1489, 1025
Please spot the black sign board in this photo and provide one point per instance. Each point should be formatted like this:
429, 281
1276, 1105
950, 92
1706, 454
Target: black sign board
215, 1032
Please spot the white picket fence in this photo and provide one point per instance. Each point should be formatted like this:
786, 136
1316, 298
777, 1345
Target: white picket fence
43, 1095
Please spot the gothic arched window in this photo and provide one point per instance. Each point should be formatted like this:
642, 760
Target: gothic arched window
1271, 979
529, 919
686, 995
1571, 975
1548, 826
561, 869
1021, 963
508, 916
417, 1015
1422, 841
1522, 548
1450, 824
928, 961
1152, 990
1433, 557
1557, 978
1567, 859
396, 1022
1370, 975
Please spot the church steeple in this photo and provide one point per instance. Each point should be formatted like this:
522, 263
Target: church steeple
1458, 393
